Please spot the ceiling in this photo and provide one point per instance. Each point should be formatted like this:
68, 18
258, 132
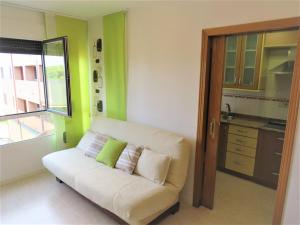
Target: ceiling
86, 9
79, 8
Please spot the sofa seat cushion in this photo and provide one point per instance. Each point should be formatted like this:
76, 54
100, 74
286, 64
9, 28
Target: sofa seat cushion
67, 164
131, 197
143, 199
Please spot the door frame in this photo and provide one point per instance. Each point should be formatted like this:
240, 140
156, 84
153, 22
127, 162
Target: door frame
199, 173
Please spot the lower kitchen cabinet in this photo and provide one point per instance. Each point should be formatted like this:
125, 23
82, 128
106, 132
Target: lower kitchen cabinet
253, 154
268, 157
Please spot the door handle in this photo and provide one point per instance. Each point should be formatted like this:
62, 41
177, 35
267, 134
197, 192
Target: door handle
212, 128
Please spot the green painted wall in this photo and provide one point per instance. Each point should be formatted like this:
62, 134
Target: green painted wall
77, 32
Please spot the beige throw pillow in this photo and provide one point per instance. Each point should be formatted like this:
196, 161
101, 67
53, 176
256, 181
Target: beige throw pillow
95, 145
153, 166
129, 158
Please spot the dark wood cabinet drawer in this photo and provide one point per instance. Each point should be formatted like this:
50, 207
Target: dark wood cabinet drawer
273, 140
268, 157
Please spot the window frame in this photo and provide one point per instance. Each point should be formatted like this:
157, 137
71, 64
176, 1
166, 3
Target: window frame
64, 40
13, 49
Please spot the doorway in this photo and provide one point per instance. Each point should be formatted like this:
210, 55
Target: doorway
235, 62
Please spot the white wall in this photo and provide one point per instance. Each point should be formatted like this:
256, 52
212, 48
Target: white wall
23, 158
21, 23
164, 59
291, 213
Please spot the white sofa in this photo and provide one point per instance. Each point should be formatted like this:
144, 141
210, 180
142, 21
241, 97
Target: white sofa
132, 198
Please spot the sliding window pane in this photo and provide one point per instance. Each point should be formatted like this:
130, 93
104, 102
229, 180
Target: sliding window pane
21, 90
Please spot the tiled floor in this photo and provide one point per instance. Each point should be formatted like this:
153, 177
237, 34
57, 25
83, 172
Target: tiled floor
41, 200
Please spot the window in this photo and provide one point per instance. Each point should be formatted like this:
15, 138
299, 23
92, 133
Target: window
57, 77
18, 83
34, 76
20, 129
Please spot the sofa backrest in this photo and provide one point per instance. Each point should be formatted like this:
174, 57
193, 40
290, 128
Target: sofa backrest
156, 139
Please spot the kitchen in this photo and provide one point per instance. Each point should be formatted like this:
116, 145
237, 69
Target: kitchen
256, 88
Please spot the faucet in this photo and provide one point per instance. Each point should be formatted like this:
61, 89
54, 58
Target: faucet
228, 109
228, 114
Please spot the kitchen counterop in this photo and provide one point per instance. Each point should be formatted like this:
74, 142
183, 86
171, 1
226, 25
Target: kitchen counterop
252, 124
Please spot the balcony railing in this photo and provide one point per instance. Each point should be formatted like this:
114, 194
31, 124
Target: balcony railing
30, 90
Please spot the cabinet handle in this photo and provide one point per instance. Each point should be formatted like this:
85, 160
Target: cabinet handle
275, 174
277, 153
280, 139
212, 126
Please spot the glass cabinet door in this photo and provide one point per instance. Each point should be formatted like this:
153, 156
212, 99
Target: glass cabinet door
231, 55
251, 47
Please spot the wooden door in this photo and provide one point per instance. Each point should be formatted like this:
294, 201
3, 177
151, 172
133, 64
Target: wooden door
222, 146
214, 116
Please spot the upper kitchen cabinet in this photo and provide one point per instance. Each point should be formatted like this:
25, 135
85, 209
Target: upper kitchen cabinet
281, 39
232, 60
242, 61
279, 52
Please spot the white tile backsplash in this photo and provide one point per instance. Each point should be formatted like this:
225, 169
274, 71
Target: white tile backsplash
256, 107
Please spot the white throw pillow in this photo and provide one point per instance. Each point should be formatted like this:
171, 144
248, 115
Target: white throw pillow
85, 141
153, 166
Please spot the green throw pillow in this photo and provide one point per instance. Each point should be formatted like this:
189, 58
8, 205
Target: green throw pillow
111, 152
